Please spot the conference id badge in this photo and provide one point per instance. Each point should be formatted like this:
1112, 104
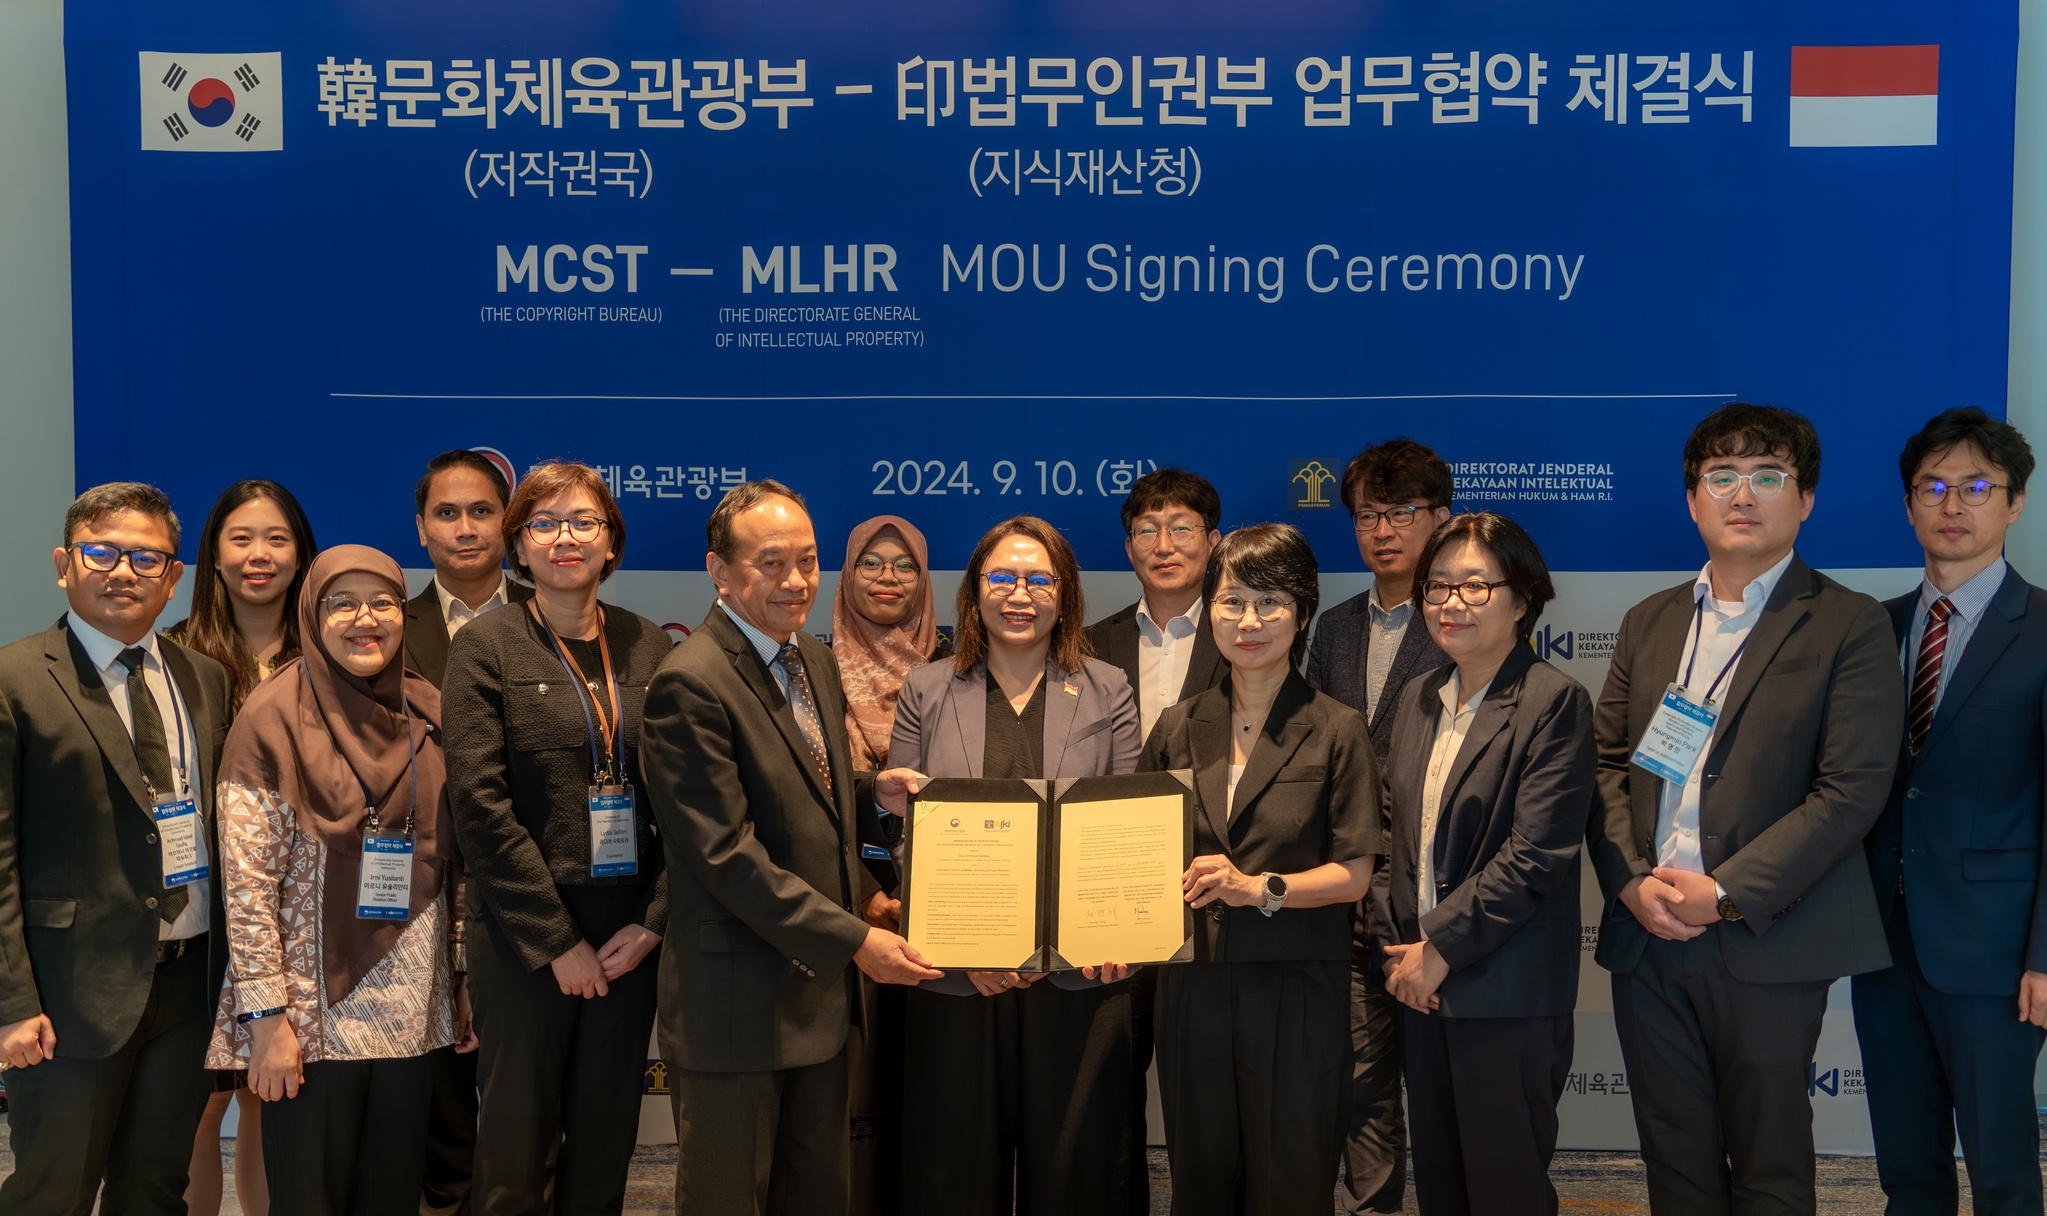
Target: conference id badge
179, 840
614, 833
383, 888
1678, 733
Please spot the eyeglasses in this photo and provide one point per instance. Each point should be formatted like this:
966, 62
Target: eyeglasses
582, 528
145, 563
1268, 607
348, 607
1399, 517
1474, 593
870, 567
1179, 534
1003, 583
1975, 491
1721, 483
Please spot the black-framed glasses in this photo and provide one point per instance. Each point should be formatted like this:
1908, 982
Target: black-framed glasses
1975, 491
870, 567
342, 604
1399, 517
1037, 586
1474, 592
105, 559
1267, 607
1179, 534
1767, 483
582, 528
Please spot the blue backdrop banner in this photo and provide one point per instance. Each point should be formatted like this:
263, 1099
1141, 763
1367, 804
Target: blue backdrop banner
965, 260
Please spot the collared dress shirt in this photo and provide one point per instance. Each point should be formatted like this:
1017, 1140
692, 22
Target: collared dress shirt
1452, 724
457, 614
764, 646
1163, 652
1725, 626
1969, 601
105, 654
1386, 630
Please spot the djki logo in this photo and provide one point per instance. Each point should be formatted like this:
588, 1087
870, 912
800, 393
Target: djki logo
1551, 643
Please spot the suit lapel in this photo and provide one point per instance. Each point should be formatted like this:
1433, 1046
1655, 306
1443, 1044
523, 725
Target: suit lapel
1207, 662
1787, 606
426, 634
1414, 642
831, 714
1494, 713
1993, 634
1061, 710
1122, 638
74, 673
746, 660
1276, 743
1208, 733
186, 678
969, 696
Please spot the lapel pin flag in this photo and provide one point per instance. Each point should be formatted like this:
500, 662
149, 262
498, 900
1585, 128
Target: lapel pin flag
1865, 96
212, 103
1072, 691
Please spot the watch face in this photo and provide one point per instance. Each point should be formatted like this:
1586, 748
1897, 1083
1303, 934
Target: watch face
1275, 887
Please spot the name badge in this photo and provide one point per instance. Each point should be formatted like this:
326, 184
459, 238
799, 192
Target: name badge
614, 833
1678, 734
383, 889
181, 843
874, 852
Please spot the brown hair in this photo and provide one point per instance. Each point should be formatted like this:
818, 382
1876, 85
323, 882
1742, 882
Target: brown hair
740, 498
1396, 471
543, 482
1069, 637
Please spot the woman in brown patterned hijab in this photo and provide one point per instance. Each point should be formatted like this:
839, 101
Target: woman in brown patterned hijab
884, 623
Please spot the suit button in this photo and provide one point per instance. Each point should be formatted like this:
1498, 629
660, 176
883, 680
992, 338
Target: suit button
150, 902
1216, 913
151, 838
796, 962
1913, 792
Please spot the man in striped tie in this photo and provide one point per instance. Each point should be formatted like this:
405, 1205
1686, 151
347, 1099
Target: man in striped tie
1951, 1032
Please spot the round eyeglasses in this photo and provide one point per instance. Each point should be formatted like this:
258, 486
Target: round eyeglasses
1267, 607
1179, 534
1474, 593
871, 566
582, 528
1975, 491
345, 606
1037, 586
1767, 483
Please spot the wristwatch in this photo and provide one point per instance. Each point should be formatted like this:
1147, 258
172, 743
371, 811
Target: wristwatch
1275, 894
1726, 906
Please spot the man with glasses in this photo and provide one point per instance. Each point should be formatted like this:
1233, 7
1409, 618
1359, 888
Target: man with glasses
1365, 651
1951, 1032
1747, 733
1172, 521
111, 938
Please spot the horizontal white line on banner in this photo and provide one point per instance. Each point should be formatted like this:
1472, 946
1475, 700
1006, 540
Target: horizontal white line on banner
1037, 397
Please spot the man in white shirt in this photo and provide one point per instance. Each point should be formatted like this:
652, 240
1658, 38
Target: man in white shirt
1747, 733
1172, 522
111, 945
461, 505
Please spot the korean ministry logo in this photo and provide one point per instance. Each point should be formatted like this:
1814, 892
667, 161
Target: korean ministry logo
502, 461
1310, 486
212, 103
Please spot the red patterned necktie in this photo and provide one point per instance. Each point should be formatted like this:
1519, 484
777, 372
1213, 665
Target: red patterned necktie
1926, 674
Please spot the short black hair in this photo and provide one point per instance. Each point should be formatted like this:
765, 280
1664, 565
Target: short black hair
1163, 487
1396, 471
718, 528
1509, 543
1741, 429
1999, 441
460, 458
117, 496
1271, 557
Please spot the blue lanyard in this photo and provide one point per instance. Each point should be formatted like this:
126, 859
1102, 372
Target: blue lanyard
411, 760
177, 721
1698, 636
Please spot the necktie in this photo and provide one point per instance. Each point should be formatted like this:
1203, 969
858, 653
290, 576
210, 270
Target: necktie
153, 753
805, 706
1926, 673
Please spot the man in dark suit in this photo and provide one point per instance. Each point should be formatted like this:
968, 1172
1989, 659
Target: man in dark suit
1956, 856
1365, 651
1737, 892
459, 505
749, 774
108, 974
1172, 521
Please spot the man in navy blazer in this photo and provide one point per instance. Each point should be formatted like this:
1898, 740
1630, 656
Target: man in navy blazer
1955, 857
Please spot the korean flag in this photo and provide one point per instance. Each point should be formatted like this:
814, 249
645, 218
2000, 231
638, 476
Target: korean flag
212, 103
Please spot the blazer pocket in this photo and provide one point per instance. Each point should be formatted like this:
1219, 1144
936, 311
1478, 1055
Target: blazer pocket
1787, 666
545, 715
729, 937
1303, 772
1095, 727
48, 913
2000, 865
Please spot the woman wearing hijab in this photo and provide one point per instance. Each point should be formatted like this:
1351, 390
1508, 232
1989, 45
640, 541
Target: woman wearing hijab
339, 863
884, 626
543, 708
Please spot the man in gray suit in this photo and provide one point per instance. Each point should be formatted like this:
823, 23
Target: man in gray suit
743, 744
111, 936
1747, 733
1365, 651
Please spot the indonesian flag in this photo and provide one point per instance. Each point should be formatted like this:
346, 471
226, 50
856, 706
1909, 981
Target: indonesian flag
1864, 96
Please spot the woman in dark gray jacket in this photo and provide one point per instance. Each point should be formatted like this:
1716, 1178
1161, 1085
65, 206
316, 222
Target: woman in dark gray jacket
567, 900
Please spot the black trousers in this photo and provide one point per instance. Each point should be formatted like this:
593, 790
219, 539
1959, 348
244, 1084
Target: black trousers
128, 1118
450, 1134
1482, 1095
1144, 993
561, 1076
1375, 1151
1720, 1072
353, 1143
762, 1143
874, 1067
1023, 1095
1935, 1061
1254, 1072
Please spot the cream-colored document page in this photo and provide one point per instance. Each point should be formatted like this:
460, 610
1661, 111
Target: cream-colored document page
1120, 863
974, 883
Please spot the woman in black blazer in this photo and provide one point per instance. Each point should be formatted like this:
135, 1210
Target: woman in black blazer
1254, 1049
1491, 774
542, 705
